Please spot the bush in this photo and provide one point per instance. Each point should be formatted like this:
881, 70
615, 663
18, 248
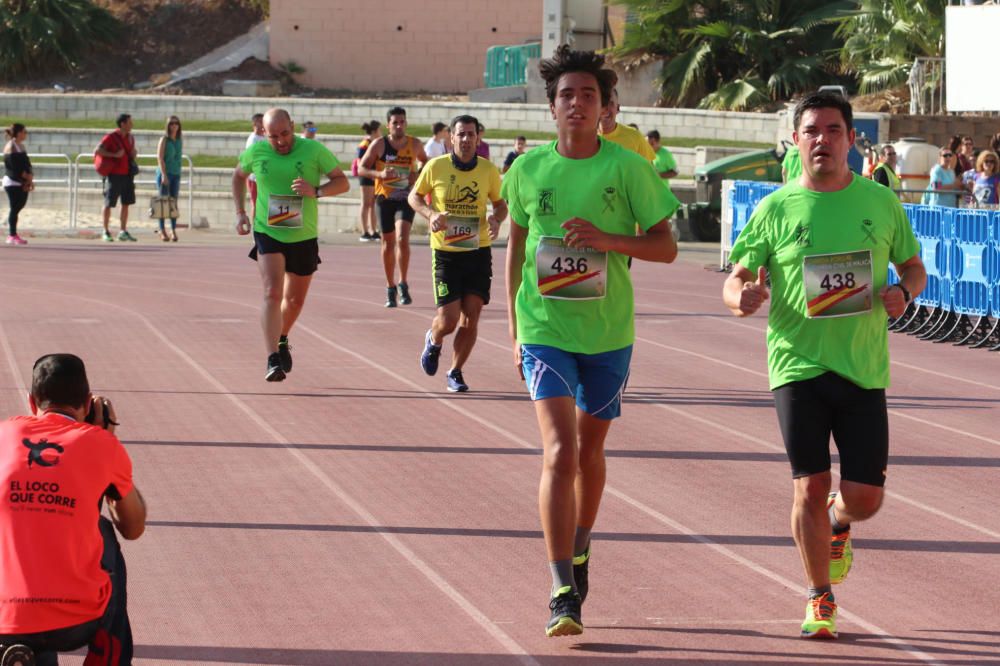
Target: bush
38, 35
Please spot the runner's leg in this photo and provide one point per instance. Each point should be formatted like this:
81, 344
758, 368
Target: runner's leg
272, 275
468, 330
556, 499
294, 297
592, 470
389, 257
403, 247
811, 526
445, 321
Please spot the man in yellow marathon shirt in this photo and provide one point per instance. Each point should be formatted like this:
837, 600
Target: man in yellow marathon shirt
574, 206
827, 240
392, 162
460, 184
623, 135
289, 172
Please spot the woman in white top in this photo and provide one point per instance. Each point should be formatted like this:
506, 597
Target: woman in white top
18, 179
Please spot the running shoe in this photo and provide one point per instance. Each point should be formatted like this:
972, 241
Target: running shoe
16, 240
565, 620
429, 357
390, 297
366, 237
404, 293
108, 238
285, 352
125, 236
17, 655
821, 617
581, 567
456, 384
274, 371
376, 236
841, 552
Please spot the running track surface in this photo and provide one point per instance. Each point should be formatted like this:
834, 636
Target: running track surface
359, 514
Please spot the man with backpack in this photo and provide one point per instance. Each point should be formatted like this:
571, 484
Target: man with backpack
114, 159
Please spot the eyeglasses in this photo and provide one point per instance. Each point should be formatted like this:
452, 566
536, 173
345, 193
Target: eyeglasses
947, 154
989, 161
174, 122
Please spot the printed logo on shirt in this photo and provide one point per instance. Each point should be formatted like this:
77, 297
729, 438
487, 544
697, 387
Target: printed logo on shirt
300, 169
547, 202
609, 199
803, 235
263, 168
865, 228
36, 452
466, 194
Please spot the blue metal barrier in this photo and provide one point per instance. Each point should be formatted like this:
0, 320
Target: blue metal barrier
973, 263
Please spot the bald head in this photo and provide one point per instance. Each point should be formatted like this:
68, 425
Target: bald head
279, 130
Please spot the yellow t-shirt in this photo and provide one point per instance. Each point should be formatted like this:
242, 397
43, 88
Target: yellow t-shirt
463, 195
631, 138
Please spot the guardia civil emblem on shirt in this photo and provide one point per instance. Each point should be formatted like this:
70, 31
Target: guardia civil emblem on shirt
547, 202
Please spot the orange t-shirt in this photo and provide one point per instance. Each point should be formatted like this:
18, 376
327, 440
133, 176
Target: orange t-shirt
54, 472
404, 161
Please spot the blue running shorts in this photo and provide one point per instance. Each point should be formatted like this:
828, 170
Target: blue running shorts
597, 381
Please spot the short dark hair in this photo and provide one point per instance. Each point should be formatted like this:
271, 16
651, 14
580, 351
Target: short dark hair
823, 100
466, 118
521, 137
257, 116
122, 118
437, 127
395, 111
886, 147
653, 134
565, 61
59, 379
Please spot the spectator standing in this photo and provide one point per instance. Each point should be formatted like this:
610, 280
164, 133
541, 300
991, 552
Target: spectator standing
369, 229
309, 130
966, 154
985, 182
520, 145
664, 163
483, 149
944, 186
168, 170
256, 134
119, 148
440, 143
885, 172
63, 585
18, 179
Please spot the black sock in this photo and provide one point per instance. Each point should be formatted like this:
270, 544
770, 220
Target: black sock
838, 527
820, 591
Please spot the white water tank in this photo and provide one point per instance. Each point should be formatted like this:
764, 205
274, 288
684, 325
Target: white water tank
915, 159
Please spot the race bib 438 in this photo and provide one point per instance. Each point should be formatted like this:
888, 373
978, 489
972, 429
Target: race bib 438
838, 285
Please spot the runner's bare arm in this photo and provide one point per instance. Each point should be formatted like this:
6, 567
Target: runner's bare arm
496, 218
129, 514
366, 167
742, 293
239, 198
913, 278
438, 219
515, 262
657, 244
337, 184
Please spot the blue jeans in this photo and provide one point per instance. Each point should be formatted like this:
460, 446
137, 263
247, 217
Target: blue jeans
171, 188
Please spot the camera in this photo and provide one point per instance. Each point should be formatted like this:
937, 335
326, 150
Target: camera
106, 415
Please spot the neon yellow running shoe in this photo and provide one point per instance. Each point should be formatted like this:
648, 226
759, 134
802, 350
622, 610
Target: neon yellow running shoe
565, 620
841, 552
821, 617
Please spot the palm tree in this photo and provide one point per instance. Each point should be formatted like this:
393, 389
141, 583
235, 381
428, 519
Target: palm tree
882, 37
736, 54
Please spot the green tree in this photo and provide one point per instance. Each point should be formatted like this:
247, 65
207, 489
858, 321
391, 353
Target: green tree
740, 54
882, 37
40, 34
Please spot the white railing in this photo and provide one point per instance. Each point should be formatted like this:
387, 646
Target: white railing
75, 197
67, 181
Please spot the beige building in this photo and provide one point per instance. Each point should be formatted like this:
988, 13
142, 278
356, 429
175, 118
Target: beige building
397, 45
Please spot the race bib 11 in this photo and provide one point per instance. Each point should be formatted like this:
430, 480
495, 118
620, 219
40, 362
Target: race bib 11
838, 285
284, 210
567, 273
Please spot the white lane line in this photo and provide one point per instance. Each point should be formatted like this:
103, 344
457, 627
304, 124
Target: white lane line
12, 364
412, 558
964, 433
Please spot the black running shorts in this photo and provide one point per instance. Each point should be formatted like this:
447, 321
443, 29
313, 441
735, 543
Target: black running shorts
459, 273
809, 411
389, 209
301, 258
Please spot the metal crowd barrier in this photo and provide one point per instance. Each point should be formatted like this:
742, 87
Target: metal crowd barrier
960, 248
67, 181
96, 178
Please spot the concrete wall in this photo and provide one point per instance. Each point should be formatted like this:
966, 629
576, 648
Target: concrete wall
938, 130
695, 123
378, 45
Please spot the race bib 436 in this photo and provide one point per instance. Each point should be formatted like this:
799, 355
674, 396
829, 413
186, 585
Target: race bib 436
567, 273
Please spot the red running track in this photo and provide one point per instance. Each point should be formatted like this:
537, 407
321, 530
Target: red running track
359, 514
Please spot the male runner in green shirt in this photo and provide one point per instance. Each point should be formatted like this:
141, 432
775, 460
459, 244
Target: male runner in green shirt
827, 240
574, 205
288, 171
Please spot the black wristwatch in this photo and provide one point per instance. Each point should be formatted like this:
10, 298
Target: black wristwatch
906, 292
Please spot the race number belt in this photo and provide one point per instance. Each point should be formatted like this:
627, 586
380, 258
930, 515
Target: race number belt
284, 210
462, 233
567, 273
838, 285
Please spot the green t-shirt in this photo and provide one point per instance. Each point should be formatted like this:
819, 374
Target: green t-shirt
664, 162
792, 233
792, 164
615, 189
309, 160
